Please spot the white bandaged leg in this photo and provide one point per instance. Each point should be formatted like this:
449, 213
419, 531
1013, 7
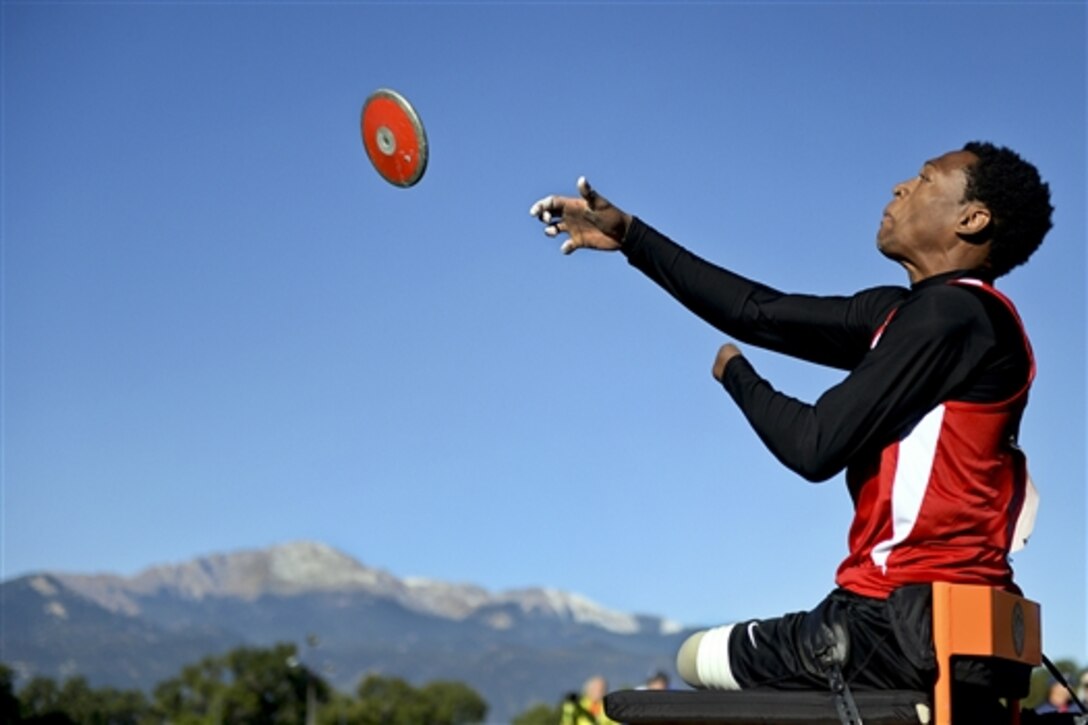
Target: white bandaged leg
703, 660
687, 659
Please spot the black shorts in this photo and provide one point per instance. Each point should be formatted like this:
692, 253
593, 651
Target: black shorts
888, 644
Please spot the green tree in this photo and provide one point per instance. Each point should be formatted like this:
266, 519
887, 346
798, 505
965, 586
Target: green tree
121, 707
539, 714
9, 703
454, 703
252, 685
195, 695
339, 710
39, 700
393, 701
389, 701
77, 700
43, 702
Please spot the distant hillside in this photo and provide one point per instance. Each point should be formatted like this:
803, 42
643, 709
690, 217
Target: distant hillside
516, 648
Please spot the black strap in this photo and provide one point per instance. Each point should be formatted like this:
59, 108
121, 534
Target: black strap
830, 649
844, 699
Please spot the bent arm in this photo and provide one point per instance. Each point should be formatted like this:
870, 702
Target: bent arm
923, 357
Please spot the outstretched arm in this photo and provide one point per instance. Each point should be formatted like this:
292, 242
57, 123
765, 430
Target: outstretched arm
832, 331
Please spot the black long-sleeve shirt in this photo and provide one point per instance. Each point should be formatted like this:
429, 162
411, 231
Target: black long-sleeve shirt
943, 342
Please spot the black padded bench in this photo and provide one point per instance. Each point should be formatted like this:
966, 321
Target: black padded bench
763, 707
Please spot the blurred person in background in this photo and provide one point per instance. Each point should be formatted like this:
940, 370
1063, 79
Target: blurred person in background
589, 708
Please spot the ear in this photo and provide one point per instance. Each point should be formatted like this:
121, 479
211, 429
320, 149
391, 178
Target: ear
974, 220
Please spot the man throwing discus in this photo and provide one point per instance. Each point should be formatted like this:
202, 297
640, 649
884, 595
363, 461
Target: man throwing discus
925, 424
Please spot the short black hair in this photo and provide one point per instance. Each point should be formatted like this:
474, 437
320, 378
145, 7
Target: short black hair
1018, 200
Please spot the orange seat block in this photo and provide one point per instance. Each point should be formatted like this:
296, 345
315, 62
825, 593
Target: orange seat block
980, 621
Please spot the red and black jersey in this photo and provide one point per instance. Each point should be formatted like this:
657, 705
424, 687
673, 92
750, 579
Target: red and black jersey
925, 421
941, 503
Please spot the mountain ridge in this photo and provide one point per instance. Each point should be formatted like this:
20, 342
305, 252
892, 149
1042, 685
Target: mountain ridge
307, 566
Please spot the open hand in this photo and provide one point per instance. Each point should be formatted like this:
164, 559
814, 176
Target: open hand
590, 220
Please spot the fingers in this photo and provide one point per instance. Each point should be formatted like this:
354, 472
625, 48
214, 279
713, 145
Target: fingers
552, 206
543, 207
587, 192
538, 207
551, 209
548, 211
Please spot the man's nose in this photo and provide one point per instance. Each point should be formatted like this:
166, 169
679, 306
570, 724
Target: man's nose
900, 190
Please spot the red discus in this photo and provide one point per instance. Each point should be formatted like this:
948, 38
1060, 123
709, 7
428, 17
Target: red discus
393, 137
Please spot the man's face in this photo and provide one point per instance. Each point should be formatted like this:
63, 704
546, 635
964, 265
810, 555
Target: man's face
921, 218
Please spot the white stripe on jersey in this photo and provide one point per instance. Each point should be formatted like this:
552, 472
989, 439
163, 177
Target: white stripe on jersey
913, 468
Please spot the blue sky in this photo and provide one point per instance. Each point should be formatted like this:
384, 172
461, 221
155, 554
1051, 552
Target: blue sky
222, 330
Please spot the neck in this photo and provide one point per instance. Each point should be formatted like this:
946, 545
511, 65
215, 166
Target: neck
922, 269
